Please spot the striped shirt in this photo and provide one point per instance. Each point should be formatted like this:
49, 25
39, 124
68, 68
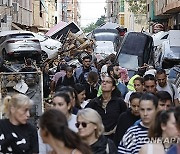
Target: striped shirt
134, 138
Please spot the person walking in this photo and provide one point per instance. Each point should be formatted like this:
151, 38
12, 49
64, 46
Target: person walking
90, 129
54, 131
164, 85
162, 133
81, 73
62, 102
135, 137
175, 149
108, 106
128, 118
17, 136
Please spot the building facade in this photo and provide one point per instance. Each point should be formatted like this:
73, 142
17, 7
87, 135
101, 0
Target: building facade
112, 11
133, 22
37, 15
68, 10
166, 12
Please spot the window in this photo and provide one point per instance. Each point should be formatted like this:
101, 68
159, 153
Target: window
40, 8
121, 22
55, 20
121, 6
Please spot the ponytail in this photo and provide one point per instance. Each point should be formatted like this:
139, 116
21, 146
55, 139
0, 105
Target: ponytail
7, 105
17, 101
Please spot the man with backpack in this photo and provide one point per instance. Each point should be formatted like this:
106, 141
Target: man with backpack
67, 80
81, 73
164, 85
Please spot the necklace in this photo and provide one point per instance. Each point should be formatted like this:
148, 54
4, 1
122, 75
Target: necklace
105, 102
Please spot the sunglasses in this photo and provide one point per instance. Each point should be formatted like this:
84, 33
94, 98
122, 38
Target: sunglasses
83, 124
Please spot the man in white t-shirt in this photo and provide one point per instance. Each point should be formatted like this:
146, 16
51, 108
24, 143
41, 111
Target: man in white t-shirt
164, 85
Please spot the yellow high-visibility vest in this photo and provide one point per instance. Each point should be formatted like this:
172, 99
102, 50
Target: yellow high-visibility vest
130, 85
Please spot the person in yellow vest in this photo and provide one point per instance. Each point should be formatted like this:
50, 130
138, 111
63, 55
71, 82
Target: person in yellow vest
130, 85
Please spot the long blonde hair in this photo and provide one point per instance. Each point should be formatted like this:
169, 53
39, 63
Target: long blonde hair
16, 101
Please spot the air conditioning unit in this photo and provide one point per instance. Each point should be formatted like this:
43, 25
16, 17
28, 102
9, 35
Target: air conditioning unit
15, 6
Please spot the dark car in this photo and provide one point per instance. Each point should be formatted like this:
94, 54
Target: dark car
136, 49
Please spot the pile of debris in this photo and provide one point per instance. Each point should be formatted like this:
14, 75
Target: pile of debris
73, 40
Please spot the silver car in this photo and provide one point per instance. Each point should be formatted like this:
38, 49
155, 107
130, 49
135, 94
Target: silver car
20, 45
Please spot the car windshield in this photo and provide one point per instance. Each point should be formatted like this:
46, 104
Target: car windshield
22, 36
107, 37
128, 61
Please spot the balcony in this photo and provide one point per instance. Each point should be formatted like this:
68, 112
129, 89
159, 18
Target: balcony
172, 7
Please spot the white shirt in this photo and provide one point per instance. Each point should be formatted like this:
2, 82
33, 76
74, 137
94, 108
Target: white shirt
169, 90
71, 123
126, 99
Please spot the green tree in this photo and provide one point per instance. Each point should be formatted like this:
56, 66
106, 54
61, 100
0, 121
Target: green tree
92, 26
100, 21
137, 6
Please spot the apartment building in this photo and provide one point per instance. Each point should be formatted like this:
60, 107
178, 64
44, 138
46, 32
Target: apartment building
34, 15
15, 14
133, 22
166, 12
67, 11
112, 11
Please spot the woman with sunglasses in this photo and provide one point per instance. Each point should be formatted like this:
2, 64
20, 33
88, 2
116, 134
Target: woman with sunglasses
108, 105
54, 131
162, 133
90, 129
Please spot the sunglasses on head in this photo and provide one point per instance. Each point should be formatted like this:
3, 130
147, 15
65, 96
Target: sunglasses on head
83, 124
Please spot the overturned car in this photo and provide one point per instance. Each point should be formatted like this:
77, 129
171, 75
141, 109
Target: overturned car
136, 50
167, 54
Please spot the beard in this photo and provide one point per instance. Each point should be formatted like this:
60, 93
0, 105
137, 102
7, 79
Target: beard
116, 76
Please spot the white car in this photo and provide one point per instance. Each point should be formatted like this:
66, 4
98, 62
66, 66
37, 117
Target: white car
48, 45
159, 37
167, 53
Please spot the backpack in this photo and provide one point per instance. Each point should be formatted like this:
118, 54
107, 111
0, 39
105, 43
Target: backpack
60, 81
173, 90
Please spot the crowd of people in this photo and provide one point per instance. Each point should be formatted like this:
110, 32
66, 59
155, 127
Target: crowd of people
96, 109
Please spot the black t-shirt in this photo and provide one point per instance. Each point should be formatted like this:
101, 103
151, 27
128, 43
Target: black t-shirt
18, 139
